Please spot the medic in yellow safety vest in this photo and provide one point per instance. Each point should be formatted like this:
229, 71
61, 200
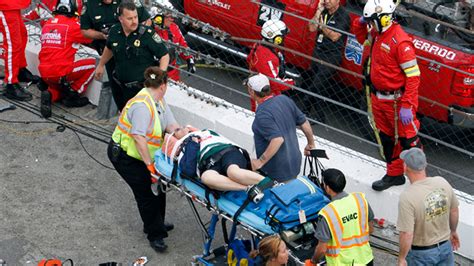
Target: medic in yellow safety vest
154, 132
347, 217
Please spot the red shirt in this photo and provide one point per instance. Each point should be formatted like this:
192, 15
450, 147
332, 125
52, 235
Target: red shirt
263, 60
177, 37
392, 54
59, 38
14, 4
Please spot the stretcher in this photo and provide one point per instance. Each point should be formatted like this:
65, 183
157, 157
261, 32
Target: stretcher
233, 206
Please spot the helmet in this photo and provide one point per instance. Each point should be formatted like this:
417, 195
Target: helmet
274, 30
66, 7
159, 11
379, 11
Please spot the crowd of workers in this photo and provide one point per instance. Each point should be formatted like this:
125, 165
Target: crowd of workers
136, 64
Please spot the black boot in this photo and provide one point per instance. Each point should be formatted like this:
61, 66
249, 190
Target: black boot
26, 76
158, 245
72, 99
45, 104
42, 85
16, 92
388, 181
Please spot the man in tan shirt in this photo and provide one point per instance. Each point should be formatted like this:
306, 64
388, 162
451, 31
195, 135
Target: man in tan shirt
427, 215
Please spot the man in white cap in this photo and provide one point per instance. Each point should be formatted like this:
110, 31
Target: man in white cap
274, 129
428, 215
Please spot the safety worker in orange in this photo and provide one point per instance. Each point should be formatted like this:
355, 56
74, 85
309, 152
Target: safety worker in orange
168, 30
268, 60
394, 77
63, 77
15, 38
139, 133
343, 226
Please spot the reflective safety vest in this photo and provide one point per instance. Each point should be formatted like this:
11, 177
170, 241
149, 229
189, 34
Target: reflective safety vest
153, 136
348, 220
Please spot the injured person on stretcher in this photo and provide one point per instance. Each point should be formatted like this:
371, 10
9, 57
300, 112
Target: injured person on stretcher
218, 163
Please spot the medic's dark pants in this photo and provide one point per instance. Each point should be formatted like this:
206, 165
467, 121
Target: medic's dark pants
384, 115
152, 208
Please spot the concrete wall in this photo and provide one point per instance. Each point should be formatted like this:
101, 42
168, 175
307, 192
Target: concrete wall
235, 123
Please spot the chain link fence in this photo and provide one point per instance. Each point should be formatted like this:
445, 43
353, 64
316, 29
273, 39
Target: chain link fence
220, 34
329, 88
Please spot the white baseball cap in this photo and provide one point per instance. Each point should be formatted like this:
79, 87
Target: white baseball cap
257, 82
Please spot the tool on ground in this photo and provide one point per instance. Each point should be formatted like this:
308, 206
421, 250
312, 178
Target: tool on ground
6, 107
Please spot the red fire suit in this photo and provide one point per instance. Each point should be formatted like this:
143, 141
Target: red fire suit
395, 77
174, 34
264, 60
43, 9
15, 37
59, 39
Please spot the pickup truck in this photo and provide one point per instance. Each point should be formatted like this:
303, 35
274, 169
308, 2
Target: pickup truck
446, 56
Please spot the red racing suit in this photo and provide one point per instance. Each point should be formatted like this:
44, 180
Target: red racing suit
15, 37
60, 37
174, 34
264, 60
395, 78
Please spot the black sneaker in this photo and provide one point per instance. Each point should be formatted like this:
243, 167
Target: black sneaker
26, 76
45, 104
158, 245
72, 99
16, 92
388, 181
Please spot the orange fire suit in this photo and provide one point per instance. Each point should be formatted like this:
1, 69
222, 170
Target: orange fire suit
395, 78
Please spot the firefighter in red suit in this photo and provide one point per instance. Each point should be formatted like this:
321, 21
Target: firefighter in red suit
168, 30
63, 78
268, 60
44, 8
394, 77
15, 39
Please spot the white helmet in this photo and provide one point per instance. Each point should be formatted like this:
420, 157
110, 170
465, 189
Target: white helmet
274, 30
379, 11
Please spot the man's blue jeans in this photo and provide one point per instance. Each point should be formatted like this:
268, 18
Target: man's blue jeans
441, 255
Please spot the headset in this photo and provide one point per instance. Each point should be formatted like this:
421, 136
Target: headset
385, 20
159, 19
278, 39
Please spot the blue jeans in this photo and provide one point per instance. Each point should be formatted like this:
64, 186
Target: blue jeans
441, 255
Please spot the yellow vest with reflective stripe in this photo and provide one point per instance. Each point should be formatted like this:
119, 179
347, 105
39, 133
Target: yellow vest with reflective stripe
348, 221
153, 136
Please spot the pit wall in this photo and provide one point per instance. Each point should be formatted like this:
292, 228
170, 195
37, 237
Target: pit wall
235, 123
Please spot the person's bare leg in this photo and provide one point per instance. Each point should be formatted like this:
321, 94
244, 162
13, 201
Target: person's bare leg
243, 176
217, 181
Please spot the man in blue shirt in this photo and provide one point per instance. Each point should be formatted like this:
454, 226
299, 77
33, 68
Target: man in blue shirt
274, 130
